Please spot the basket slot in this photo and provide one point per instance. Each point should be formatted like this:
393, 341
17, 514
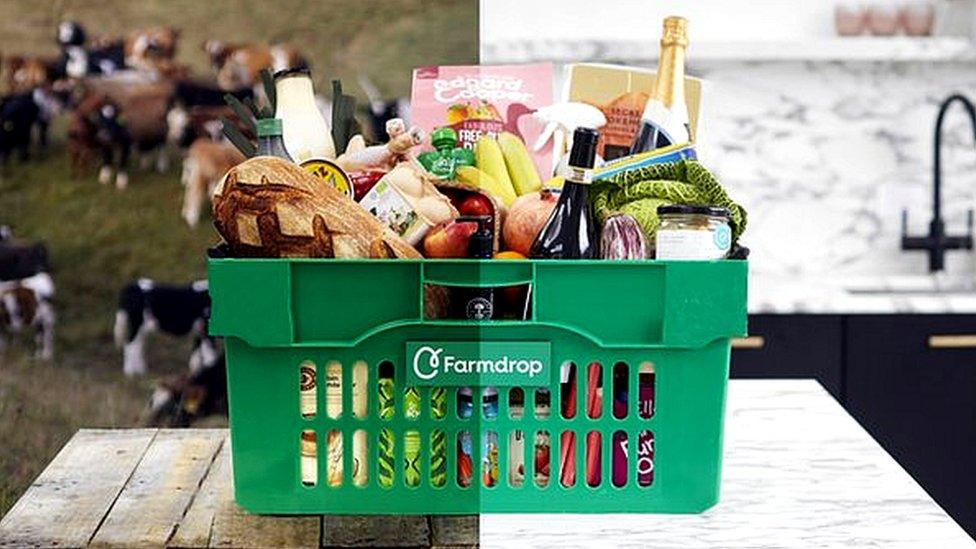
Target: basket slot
335, 452
644, 462
543, 403
621, 390
438, 458
594, 390
307, 392
594, 459
358, 462
568, 390
386, 394
567, 458
490, 457
645, 390
618, 459
515, 404
412, 461
334, 407
465, 455
515, 458
490, 404
308, 458
542, 458
386, 459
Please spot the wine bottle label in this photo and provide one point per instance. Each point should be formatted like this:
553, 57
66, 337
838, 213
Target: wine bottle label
583, 176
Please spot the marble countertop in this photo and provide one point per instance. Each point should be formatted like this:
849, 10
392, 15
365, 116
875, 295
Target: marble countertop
798, 472
862, 295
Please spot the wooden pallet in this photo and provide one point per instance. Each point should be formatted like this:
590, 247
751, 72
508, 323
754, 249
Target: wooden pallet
172, 488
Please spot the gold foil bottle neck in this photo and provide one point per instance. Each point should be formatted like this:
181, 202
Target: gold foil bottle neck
675, 32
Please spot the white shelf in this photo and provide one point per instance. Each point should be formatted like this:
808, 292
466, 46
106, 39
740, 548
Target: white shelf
894, 49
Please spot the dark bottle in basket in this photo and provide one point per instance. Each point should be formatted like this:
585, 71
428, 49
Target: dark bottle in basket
477, 303
571, 231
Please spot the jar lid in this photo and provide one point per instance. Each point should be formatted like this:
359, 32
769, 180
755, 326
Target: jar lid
443, 136
268, 127
713, 211
297, 71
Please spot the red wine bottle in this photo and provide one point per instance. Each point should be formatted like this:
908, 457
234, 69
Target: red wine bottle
665, 118
571, 231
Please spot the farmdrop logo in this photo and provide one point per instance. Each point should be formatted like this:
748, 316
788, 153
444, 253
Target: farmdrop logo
478, 363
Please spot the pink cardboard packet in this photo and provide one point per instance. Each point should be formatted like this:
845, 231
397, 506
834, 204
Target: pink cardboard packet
478, 100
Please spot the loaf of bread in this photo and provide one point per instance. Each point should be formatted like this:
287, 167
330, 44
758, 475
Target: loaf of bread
269, 207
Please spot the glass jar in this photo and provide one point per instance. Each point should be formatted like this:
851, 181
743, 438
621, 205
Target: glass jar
692, 232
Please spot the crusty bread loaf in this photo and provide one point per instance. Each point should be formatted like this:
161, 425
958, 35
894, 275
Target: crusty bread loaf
269, 207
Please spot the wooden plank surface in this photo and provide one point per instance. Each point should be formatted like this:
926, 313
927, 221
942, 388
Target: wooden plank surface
161, 488
67, 502
214, 520
454, 531
375, 531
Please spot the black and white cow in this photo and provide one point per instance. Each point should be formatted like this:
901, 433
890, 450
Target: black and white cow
79, 59
20, 260
26, 304
146, 307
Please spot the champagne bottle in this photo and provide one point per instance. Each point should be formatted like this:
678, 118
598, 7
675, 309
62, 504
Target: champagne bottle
665, 118
571, 231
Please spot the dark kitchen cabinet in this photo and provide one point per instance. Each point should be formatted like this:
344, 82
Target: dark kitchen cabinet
911, 382
792, 346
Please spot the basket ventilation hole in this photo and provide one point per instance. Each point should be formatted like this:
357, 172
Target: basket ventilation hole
489, 402
489, 459
567, 459
385, 464
334, 461
541, 459
594, 390
620, 390
411, 458
308, 461
438, 458
542, 403
516, 403
360, 391
360, 458
645, 390
465, 402
594, 457
306, 389
619, 459
465, 463
567, 390
645, 458
333, 390
516, 458
385, 391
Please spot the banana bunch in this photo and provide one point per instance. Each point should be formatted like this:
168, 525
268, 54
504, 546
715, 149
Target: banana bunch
504, 168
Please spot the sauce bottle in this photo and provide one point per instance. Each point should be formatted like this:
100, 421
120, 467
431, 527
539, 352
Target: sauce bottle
478, 303
304, 130
571, 232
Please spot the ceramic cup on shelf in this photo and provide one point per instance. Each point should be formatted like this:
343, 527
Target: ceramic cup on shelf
883, 19
850, 19
917, 18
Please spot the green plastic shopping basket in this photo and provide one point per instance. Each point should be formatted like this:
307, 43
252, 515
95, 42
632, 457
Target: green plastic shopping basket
345, 399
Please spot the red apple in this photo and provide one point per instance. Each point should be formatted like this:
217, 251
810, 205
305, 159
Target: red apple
476, 204
449, 239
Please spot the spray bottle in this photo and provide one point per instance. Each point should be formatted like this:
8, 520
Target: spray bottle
561, 120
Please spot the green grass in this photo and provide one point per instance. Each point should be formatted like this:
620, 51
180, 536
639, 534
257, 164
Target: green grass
100, 238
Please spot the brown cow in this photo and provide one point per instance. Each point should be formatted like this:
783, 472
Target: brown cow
206, 162
151, 48
28, 72
26, 304
239, 65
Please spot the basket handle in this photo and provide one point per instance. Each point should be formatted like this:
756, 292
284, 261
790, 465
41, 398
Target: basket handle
477, 273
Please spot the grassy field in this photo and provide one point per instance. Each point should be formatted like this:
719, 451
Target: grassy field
100, 238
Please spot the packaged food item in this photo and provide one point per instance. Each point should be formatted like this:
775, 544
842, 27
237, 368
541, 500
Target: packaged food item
693, 232
673, 153
483, 100
447, 156
304, 130
622, 93
363, 182
465, 462
489, 464
408, 202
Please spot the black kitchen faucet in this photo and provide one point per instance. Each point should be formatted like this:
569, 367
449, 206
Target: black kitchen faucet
937, 242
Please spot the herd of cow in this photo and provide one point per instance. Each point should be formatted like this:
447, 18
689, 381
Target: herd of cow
129, 97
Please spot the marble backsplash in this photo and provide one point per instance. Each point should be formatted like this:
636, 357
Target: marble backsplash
825, 155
